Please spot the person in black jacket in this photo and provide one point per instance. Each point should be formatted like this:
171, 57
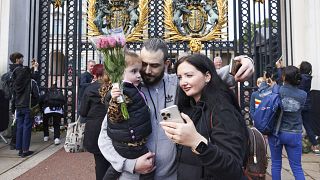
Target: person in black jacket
85, 79
212, 143
21, 77
305, 84
17, 63
94, 111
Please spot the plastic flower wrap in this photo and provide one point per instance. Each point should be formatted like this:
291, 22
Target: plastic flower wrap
112, 48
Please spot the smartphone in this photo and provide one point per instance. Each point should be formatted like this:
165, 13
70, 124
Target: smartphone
234, 66
171, 114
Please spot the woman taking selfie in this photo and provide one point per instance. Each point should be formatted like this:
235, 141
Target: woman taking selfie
212, 143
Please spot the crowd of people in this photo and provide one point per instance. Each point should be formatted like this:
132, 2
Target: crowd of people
295, 85
210, 144
21, 88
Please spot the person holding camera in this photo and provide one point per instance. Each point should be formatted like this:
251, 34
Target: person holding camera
22, 91
212, 143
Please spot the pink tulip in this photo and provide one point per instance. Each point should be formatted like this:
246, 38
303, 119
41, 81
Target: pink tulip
105, 43
112, 42
98, 44
122, 41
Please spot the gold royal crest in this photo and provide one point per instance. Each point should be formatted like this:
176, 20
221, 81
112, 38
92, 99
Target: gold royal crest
195, 20
131, 15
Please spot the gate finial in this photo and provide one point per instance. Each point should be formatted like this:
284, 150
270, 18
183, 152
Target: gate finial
57, 3
195, 45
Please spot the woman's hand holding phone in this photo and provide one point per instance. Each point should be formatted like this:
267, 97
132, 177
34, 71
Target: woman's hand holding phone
183, 133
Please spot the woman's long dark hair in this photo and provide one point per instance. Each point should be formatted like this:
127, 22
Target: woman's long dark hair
214, 88
292, 75
305, 68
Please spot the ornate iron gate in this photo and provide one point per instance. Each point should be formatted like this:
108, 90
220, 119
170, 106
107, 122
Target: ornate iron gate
58, 48
250, 27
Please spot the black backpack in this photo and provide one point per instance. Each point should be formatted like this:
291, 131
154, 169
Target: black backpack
55, 98
7, 84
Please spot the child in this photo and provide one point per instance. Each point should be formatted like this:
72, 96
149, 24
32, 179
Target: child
258, 95
129, 136
52, 103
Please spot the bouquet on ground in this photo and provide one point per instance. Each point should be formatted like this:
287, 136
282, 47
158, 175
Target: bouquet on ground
112, 48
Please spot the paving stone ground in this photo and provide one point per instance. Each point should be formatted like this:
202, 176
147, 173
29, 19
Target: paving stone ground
52, 162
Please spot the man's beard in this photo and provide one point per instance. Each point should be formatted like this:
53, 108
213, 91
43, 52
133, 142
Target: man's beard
151, 80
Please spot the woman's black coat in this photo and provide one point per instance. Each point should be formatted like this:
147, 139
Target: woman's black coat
94, 112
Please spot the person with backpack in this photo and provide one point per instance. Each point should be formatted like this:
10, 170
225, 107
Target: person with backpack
257, 96
290, 130
212, 144
52, 104
7, 85
21, 90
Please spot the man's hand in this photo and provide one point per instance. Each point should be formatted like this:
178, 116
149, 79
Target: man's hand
279, 64
145, 164
35, 64
246, 70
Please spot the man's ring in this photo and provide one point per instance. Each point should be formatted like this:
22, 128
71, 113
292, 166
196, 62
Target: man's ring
172, 137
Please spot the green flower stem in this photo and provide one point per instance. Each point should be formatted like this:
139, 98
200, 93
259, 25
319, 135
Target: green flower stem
124, 111
114, 62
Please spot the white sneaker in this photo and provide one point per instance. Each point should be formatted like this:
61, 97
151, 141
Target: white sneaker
46, 138
56, 141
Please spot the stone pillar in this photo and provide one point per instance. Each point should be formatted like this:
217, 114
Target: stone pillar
4, 35
19, 28
305, 35
14, 30
312, 30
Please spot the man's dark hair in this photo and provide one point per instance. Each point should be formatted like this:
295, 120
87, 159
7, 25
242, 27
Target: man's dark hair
155, 44
305, 68
292, 75
14, 56
271, 73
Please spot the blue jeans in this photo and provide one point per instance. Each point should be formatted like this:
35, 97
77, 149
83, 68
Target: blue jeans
293, 145
24, 127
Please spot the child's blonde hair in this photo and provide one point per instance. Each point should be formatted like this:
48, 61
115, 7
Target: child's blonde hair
260, 80
131, 58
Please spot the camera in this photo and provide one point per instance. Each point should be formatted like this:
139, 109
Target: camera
165, 116
171, 114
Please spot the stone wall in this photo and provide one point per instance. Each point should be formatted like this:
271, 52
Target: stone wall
306, 35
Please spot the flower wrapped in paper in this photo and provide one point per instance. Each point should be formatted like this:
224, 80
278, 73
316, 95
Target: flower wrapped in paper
112, 48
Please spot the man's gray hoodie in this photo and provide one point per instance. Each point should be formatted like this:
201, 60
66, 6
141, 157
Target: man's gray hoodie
159, 96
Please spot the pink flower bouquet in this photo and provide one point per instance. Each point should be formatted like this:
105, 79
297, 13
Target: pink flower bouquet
112, 49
